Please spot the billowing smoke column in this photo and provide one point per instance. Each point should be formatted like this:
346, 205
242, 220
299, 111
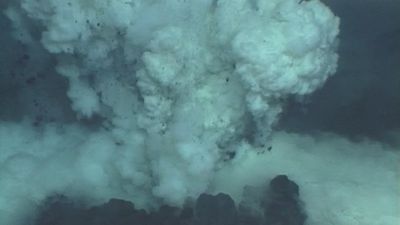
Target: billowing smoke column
176, 84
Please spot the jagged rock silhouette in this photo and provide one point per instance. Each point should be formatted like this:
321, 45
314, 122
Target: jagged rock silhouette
279, 203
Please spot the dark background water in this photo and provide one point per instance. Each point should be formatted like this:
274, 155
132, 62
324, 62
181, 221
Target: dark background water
363, 97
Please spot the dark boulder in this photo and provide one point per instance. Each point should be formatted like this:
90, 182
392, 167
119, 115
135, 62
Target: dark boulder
114, 212
215, 210
282, 205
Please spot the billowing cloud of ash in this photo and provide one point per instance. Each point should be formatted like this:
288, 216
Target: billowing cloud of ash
145, 100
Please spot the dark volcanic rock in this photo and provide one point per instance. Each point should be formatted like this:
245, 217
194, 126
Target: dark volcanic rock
114, 212
282, 205
278, 204
166, 215
215, 210
281, 185
58, 210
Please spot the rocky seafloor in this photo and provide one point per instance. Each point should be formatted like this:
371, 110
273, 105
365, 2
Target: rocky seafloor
276, 204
